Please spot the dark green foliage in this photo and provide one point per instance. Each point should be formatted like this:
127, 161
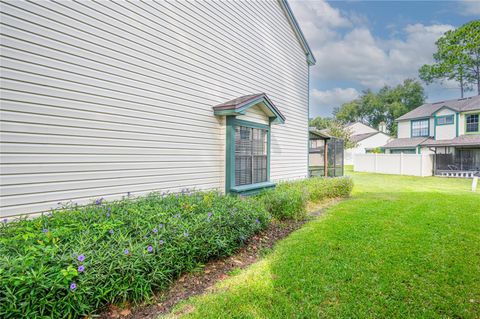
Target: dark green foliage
457, 58
39, 258
385, 106
289, 200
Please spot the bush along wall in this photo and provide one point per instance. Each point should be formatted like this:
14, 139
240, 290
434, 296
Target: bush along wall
75, 261
72, 262
289, 199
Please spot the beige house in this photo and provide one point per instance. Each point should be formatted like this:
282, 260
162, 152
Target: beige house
102, 99
448, 129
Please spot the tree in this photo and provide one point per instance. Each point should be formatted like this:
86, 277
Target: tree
457, 58
385, 106
334, 128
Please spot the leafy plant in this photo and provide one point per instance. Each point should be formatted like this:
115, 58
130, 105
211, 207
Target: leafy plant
289, 199
74, 261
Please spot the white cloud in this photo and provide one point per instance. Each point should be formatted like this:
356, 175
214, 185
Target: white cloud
346, 50
324, 101
469, 7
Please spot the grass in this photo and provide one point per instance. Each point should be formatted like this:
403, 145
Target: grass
401, 247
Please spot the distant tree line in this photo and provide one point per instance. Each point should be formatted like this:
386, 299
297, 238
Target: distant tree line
457, 59
373, 108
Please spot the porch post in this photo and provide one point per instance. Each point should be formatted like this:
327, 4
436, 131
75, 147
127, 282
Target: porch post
325, 158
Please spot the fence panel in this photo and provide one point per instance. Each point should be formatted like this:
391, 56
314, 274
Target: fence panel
398, 164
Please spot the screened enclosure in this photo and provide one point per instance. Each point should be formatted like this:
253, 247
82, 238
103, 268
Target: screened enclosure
320, 143
467, 159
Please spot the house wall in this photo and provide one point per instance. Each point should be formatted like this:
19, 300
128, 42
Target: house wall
104, 98
446, 132
374, 141
255, 114
404, 129
360, 128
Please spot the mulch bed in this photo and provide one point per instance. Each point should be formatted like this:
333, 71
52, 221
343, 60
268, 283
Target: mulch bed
192, 284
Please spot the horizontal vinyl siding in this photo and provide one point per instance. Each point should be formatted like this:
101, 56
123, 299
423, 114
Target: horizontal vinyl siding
254, 114
105, 98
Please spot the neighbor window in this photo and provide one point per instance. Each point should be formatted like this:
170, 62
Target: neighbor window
250, 155
420, 128
445, 120
472, 123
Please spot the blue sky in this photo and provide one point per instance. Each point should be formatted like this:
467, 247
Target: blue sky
368, 44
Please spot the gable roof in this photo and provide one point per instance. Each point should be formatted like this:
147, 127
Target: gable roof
298, 32
462, 140
240, 105
405, 142
428, 109
360, 137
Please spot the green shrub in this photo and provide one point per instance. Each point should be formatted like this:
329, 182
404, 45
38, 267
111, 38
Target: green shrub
286, 201
289, 199
322, 188
77, 260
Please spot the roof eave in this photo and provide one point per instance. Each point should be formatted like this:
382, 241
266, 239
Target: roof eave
296, 27
241, 109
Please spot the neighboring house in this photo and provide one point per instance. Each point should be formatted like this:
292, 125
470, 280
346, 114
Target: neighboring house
101, 99
367, 139
447, 127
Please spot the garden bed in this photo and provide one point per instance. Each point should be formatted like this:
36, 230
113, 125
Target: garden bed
76, 261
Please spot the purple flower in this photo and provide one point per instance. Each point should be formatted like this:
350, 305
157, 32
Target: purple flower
111, 231
149, 249
81, 258
155, 230
107, 214
99, 201
185, 234
81, 268
45, 230
126, 251
109, 209
5, 220
257, 221
73, 286
209, 214
161, 242
160, 226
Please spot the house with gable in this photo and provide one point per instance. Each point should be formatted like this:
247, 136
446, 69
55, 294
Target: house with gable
104, 99
449, 129
367, 139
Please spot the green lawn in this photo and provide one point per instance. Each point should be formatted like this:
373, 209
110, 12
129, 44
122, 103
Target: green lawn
401, 247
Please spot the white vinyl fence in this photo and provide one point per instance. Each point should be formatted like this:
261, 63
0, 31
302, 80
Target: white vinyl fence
399, 164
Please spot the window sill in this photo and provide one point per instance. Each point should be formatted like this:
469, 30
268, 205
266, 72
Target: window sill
252, 188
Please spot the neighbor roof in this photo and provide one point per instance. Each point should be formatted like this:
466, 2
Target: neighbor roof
298, 32
360, 137
240, 105
462, 140
405, 142
319, 133
428, 109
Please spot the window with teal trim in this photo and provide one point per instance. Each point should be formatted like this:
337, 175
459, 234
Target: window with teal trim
472, 123
250, 155
445, 120
420, 128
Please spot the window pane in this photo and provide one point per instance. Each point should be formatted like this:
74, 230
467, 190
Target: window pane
420, 128
250, 155
472, 123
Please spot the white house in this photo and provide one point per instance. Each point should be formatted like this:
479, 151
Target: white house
449, 129
367, 139
101, 99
